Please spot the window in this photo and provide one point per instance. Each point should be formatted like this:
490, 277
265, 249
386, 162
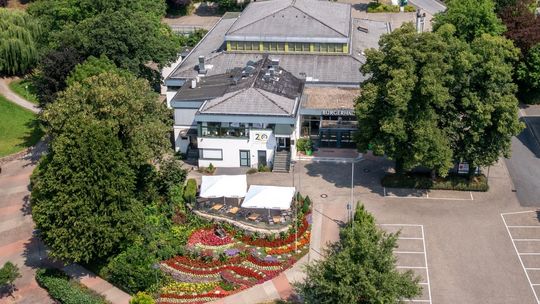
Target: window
281, 46
224, 129
331, 47
233, 45
215, 154
317, 47
339, 48
305, 47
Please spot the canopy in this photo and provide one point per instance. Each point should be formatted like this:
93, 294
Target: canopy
224, 186
269, 197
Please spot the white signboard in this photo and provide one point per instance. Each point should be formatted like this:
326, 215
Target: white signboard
338, 112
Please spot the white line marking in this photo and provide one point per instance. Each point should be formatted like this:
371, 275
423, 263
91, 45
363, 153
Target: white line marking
409, 238
523, 226
529, 253
427, 194
409, 252
408, 225
430, 198
411, 267
527, 240
472, 198
519, 212
425, 261
384, 189
532, 269
423, 301
520, 260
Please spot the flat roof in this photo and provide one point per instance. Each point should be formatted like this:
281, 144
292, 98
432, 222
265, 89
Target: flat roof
329, 98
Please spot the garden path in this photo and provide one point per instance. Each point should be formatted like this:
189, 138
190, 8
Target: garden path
9, 94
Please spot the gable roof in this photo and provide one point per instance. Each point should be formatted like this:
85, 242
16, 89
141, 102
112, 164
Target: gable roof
250, 101
294, 18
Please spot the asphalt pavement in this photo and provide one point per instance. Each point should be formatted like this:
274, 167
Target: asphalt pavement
524, 164
430, 6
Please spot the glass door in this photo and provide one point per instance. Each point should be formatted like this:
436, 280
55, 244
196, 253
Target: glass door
244, 158
261, 155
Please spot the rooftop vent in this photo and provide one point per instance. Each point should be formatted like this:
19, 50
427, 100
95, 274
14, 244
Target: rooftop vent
274, 63
363, 29
202, 67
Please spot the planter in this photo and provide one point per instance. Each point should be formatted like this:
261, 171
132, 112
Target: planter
309, 152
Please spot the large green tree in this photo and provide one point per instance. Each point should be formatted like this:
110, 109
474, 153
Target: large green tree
433, 99
125, 104
83, 194
471, 18
93, 66
360, 268
19, 33
529, 70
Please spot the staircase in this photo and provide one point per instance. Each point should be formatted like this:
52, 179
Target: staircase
282, 162
192, 154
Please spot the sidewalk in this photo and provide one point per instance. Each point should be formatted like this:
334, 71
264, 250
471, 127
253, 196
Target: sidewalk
6, 92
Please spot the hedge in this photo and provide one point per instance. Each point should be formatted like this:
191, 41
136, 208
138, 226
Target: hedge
64, 290
374, 7
190, 192
424, 181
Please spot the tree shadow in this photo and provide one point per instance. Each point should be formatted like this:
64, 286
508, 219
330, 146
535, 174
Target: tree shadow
530, 136
26, 207
362, 7
7, 291
35, 254
367, 173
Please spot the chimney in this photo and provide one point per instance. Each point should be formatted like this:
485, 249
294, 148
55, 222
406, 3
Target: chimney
202, 67
274, 63
193, 83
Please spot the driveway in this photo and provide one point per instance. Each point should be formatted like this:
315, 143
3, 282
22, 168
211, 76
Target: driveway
468, 252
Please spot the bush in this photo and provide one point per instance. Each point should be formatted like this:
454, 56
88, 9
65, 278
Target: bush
301, 144
132, 270
190, 192
171, 173
388, 8
252, 171
64, 290
176, 197
306, 205
424, 181
142, 298
263, 168
8, 274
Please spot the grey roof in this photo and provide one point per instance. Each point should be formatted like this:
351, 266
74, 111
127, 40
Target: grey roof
250, 101
292, 18
318, 68
241, 92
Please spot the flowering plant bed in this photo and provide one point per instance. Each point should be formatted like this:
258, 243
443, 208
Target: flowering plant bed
219, 266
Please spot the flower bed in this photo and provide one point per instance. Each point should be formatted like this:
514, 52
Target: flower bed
237, 262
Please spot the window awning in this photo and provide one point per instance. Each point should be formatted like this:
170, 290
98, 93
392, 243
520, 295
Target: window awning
269, 197
223, 186
283, 130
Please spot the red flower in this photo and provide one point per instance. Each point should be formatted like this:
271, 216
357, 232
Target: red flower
208, 237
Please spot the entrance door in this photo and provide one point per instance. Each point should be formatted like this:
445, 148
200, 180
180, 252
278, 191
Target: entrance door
283, 143
244, 158
261, 156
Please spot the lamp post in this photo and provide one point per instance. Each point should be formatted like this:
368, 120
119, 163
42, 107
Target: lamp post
155, 266
352, 208
293, 163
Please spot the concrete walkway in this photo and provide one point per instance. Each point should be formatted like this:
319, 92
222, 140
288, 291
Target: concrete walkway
9, 94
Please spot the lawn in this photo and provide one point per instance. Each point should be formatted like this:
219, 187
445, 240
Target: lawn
24, 88
19, 128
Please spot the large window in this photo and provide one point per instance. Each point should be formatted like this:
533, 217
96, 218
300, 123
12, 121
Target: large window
298, 47
214, 154
224, 129
291, 46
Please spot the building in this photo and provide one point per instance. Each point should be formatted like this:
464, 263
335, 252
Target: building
313, 48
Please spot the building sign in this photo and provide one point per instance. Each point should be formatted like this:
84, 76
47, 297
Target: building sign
338, 112
260, 136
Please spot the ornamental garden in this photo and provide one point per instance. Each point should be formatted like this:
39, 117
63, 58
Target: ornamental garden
221, 258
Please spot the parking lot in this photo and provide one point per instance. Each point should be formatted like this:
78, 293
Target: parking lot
428, 194
524, 231
412, 255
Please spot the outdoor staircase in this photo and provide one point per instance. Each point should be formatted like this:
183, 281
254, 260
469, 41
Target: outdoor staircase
192, 154
282, 162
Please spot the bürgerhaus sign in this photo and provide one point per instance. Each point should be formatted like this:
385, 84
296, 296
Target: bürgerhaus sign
338, 112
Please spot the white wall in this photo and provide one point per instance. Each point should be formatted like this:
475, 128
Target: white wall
231, 149
179, 143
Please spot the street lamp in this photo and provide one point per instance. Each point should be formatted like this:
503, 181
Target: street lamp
351, 208
155, 266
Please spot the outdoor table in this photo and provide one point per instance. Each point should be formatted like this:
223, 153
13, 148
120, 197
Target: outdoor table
234, 210
276, 219
217, 207
254, 216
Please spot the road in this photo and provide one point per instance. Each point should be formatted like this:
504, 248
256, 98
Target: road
430, 6
524, 164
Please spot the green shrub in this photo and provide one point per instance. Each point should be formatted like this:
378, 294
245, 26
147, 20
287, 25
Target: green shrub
176, 197
64, 290
374, 7
424, 181
142, 298
410, 9
252, 171
190, 192
306, 205
263, 168
132, 270
8, 274
171, 174
301, 144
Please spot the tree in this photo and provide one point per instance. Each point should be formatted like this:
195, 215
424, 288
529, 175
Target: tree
528, 72
523, 26
50, 77
8, 274
18, 42
123, 103
359, 268
141, 298
83, 194
93, 66
471, 18
433, 99
397, 109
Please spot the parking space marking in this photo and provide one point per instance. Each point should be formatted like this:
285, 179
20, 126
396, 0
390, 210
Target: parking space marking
429, 198
520, 254
414, 254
